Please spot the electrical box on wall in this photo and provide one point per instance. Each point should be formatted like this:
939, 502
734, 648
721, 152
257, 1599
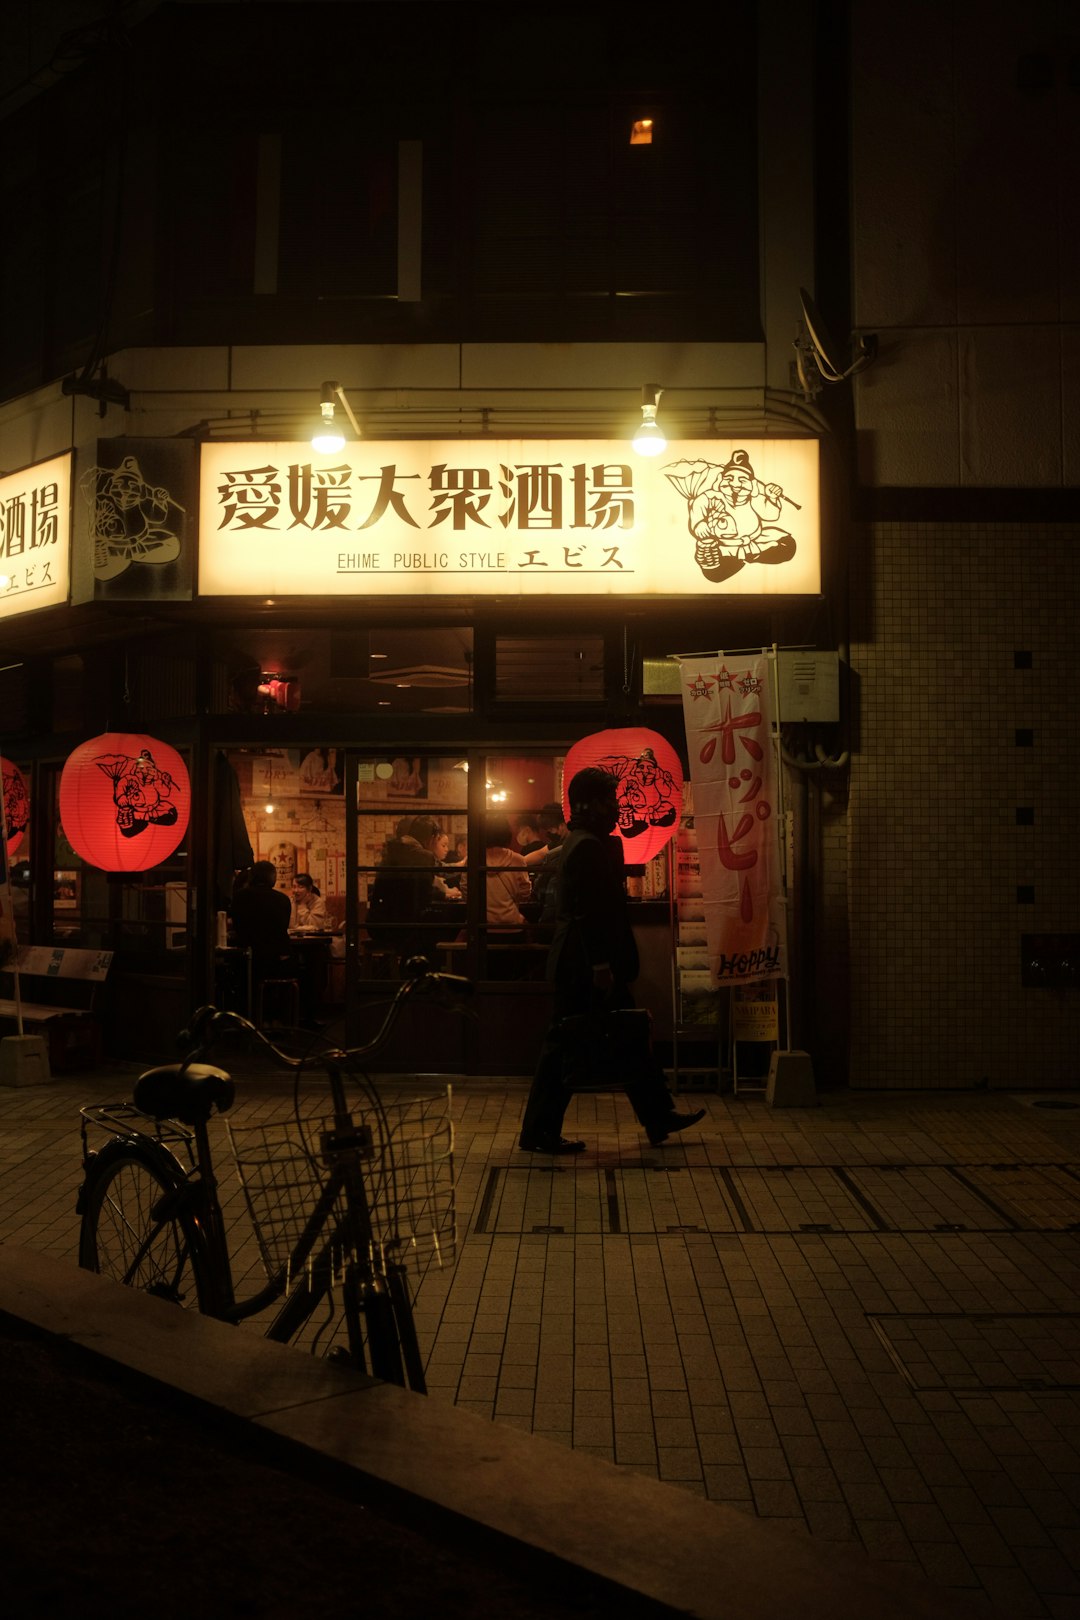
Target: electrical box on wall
808, 686
660, 679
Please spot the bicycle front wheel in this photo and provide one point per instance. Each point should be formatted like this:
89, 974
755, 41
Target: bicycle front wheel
137, 1227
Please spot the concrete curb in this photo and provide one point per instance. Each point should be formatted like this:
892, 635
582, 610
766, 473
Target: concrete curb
697, 1557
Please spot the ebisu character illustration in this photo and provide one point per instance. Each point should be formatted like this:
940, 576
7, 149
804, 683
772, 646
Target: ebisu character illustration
141, 792
732, 515
130, 520
647, 794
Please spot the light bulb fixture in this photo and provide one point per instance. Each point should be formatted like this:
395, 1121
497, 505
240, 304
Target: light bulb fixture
649, 439
328, 438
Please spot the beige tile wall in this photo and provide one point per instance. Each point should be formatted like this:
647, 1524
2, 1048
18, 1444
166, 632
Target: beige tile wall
934, 856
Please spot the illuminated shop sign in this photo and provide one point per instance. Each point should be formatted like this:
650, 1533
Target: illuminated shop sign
526, 517
35, 536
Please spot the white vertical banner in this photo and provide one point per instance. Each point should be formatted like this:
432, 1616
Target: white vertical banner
728, 712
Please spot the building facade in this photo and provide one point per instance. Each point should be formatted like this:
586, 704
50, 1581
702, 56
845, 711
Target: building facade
497, 237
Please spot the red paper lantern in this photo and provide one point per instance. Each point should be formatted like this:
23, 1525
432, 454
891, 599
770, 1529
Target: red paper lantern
650, 785
16, 804
124, 801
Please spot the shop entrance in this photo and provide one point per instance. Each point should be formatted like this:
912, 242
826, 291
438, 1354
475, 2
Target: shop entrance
392, 854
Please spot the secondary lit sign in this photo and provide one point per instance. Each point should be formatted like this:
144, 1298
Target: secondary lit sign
35, 536
711, 518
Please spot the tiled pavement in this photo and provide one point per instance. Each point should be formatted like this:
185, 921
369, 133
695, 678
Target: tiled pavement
859, 1319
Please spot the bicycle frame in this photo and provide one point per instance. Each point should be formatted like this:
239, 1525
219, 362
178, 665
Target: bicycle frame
335, 1248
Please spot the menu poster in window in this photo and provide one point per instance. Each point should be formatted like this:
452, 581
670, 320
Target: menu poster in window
275, 774
398, 777
320, 772
448, 783
327, 868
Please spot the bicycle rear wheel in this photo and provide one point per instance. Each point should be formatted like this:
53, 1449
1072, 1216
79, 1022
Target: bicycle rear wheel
137, 1229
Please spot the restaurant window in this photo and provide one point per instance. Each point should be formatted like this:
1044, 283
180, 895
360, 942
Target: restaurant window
347, 670
514, 925
15, 698
293, 806
412, 846
448, 863
549, 669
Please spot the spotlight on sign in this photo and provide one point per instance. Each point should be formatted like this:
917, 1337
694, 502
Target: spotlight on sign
649, 439
328, 438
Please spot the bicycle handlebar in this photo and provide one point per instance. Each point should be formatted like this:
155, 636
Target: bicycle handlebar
196, 1040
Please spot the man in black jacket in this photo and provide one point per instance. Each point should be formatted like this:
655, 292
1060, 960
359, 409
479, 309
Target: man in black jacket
592, 962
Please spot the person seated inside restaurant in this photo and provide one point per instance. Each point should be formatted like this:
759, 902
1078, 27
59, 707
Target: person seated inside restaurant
406, 889
543, 865
508, 886
309, 913
450, 868
529, 838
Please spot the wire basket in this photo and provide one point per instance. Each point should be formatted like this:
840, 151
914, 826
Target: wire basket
409, 1180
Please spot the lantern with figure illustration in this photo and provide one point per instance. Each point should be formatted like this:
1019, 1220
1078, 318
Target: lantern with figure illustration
16, 804
649, 775
125, 800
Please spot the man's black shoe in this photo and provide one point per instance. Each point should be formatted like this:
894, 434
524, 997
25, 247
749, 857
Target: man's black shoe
551, 1144
674, 1122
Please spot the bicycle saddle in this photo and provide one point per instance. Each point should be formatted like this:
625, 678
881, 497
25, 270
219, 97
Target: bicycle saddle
188, 1092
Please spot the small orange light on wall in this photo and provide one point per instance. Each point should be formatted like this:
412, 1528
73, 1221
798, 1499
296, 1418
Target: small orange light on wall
125, 801
650, 785
16, 804
641, 132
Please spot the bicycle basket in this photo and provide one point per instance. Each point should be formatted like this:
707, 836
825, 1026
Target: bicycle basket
409, 1180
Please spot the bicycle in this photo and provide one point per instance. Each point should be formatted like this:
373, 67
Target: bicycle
336, 1205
